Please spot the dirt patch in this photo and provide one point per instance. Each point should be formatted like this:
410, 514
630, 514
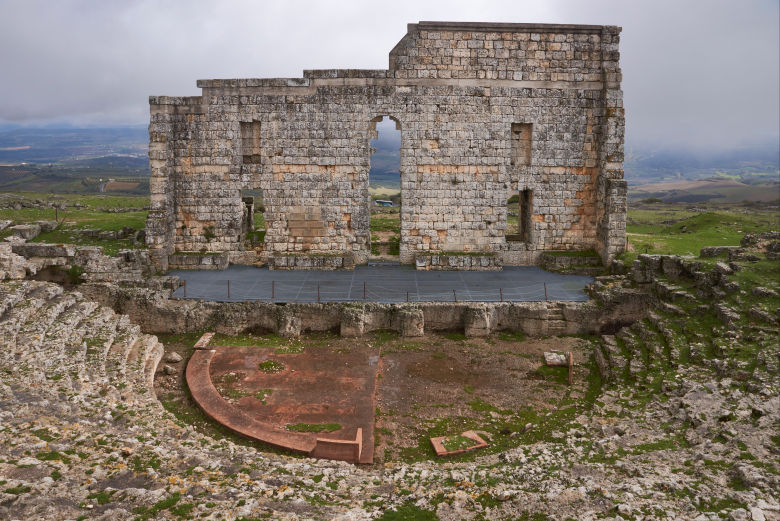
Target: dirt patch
442, 386
121, 185
442, 369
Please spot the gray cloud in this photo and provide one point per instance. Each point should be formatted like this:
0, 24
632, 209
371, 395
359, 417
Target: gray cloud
696, 73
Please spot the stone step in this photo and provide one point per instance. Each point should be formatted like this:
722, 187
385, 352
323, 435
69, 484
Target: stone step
635, 368
117, 354
99, 335
25, 350
142, 363
671, 292
32, 334
12, 293
73, 349
614, 355
122, 329
153, 357
653, 341
602, 363
16, 317
667, 307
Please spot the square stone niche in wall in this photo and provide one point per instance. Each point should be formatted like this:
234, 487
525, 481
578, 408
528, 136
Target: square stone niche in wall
250, 142
521, 144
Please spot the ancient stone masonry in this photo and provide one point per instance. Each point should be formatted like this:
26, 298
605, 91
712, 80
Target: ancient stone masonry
485, 111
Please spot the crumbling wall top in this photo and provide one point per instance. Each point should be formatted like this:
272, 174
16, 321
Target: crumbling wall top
510, 27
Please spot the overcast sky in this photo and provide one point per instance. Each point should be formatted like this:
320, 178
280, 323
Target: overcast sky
701, 72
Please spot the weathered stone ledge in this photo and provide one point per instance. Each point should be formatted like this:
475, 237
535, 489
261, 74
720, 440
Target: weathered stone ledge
161, 314
458, 261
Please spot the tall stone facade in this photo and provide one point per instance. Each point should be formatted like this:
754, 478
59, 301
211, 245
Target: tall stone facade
485, 110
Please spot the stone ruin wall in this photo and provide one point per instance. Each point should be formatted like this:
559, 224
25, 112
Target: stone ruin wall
485, 111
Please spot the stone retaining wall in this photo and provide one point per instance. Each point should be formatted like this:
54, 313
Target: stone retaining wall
128, 266
454, 261
160, 314
310, 262
199, 261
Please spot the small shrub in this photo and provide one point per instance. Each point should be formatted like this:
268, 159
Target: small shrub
17, 490
408, 512
75, 274
208, 233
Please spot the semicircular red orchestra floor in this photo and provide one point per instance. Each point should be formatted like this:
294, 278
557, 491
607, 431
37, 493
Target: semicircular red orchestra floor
317, 386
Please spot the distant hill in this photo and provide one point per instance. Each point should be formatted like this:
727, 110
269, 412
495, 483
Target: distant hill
743, 174
52, 145
645, 164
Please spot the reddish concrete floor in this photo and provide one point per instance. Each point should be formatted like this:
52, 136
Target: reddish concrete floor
317, 386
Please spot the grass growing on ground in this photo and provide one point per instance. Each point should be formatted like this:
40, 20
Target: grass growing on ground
271, 366
282, 345
386, 223
408, 512
91, 216
457, 442
679, 231
573, 253
314, 427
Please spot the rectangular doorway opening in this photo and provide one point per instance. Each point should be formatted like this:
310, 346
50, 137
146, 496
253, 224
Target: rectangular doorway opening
384, 198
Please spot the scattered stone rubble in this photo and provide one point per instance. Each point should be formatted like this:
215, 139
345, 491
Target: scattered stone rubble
685, 428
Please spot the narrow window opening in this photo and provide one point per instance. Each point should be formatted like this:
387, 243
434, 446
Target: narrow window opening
524, 215
519, 211
521, 144
384, 181
250, 142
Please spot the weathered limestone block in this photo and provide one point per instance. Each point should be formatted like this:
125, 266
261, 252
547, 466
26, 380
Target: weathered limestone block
353, 322
463, 262
40, 249
715, 251
411, 322
47, 226
26, 231
12, 266
477, 321
288, 324
201, 261
671, 266
308, 262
